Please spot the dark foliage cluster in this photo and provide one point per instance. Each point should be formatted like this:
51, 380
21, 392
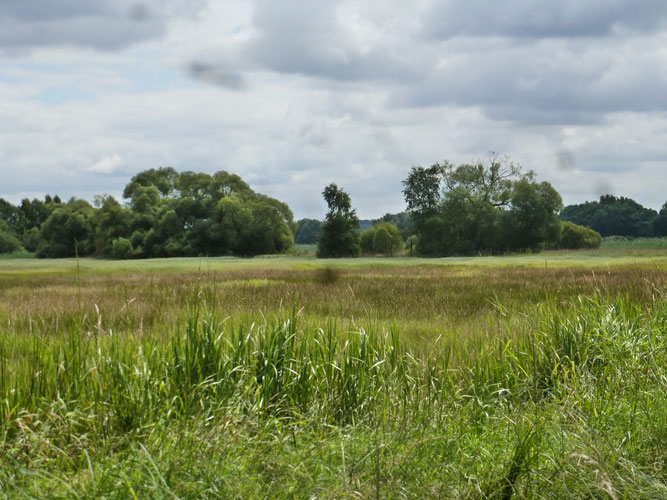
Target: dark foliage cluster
340, 231
308, 231
484, 208
618, 216
166, 214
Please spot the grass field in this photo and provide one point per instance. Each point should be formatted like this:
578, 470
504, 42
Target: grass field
537, 376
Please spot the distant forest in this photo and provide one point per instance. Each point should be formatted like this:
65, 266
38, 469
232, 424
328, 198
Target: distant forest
471, 209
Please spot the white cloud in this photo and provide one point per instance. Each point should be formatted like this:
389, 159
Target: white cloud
106, 164
354, 92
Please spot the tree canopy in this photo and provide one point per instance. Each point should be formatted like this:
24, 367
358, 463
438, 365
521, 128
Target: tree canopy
616, 216
166, 213
340, 231
486, 207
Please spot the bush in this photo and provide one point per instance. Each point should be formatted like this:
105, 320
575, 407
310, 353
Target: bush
31, 239
387, 239
411, 245
366, 240
575, 236
121, 248
383, 238
9, 243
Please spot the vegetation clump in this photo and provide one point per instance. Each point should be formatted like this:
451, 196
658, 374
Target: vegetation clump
167, 214
481, 208
575, 237
513, 393
382, 238
340, 231
618, 216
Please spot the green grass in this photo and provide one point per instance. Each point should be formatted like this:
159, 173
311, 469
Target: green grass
291, 377
621, 243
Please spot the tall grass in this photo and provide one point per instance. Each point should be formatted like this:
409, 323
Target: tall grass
621, 243
567, 402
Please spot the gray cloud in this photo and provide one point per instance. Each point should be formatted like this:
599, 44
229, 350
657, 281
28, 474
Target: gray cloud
343, 90
217, 75
315, 39
525, 18
549, 82
98, 24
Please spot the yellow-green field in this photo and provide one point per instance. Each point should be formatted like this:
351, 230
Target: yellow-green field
536, 376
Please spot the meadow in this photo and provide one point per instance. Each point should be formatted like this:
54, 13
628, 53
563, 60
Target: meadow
533, 376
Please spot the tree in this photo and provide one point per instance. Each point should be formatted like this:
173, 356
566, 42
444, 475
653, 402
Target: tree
387, 240
532, 216
340, 231
660, 222
613, 216
382, 238
67, 232
8, 242
486, 207
403, 221
308, 230
111, 222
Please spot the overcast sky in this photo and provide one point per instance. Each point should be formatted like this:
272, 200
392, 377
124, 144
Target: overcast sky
292, 95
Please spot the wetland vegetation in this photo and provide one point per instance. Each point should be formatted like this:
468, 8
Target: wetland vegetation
538, 376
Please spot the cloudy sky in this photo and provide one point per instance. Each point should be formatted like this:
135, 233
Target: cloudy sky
292, 95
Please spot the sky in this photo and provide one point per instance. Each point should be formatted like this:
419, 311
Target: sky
294, 95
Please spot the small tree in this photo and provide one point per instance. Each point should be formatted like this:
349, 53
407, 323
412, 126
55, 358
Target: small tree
366, 240
340, 231
9, 243
387, 239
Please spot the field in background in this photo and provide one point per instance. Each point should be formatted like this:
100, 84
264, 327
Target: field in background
537, 376
621, 243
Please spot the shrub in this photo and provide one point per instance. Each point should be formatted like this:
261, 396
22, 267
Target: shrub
31, 239
383, 238
387, 239
9, 243
411, 245
575, 236
121, 248
366, 240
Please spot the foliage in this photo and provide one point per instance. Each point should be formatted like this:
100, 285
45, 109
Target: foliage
643, 244
308, 231
411, 245
481, 208
574, 237
340, 231
166, 214
121, 248
660, 222
31, 239
403, 221
382, 238
67, 231
612, 216
178, 214
9, 243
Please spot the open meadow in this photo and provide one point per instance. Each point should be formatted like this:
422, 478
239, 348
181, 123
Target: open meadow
533, 376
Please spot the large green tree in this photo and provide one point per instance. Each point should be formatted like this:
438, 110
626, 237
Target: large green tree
340, 231
68, 231
485, 207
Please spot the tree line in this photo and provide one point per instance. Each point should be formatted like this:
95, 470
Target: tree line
618, 216
489, 207
165, 214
